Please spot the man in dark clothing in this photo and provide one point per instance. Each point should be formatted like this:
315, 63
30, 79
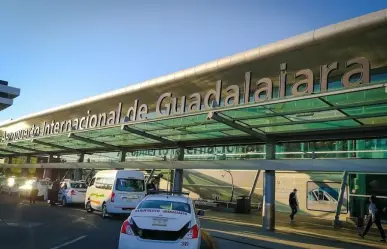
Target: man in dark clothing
374, 217
53, 192
293, 203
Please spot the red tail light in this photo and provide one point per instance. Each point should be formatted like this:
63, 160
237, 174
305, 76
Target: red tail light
72, 192
193, 233
126, 229
112, 197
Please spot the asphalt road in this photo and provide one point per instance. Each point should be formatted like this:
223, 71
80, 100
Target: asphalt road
40, 226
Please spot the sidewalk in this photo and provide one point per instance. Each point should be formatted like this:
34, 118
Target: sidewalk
305, 232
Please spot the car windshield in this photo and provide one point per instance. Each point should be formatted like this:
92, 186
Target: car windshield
167, 205
78, 185
130, 185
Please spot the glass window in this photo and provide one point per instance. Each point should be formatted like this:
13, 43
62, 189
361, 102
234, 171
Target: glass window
130, 185
78, 185
167, 205
104, 183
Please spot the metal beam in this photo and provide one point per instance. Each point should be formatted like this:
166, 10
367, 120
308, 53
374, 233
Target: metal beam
230, 122
146, 135
8, 151
254, 184
150, 176
91, 141
325, 165
26, 148
340, 201
53, 145
339, 110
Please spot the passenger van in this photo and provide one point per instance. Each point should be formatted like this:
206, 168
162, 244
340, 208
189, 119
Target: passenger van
115, 191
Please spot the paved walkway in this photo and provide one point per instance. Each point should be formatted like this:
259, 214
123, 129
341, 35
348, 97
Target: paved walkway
305, 232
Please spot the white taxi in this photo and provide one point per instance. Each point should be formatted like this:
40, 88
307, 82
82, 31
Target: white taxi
71, 192
164, 222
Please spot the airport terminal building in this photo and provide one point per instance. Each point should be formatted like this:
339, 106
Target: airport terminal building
310, 111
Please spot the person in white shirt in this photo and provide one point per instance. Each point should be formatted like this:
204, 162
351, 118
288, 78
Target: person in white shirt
374, 217
34, 191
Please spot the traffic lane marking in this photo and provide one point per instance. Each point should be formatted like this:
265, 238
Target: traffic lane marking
69, 242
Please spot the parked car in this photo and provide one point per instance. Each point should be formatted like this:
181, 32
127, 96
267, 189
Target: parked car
70, 192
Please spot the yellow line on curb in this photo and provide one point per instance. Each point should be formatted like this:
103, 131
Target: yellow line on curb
209, 239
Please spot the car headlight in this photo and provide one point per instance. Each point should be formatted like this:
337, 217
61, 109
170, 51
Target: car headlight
11, 182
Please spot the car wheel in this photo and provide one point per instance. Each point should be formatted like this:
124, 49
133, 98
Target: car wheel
64, 202
88, 207
104, 211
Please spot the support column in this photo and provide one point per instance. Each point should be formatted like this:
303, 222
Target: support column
341, 199
350, 148
178, 176
122, 158
268, 211
47, 172
78, 172
8, 170
26, 172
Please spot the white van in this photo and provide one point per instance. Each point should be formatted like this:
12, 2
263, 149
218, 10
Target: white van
115, 191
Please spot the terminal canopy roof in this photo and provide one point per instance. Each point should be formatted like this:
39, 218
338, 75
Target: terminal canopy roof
355, 113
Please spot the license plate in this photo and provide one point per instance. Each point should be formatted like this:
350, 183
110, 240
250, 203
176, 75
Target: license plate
159, 222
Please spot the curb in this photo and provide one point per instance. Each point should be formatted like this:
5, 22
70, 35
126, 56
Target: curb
209, 240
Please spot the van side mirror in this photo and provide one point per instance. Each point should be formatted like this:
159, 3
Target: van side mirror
200, 213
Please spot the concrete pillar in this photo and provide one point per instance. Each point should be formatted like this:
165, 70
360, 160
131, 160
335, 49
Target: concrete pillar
78, 172
303, 150
350, 148
178, 175
268, 211
122, 158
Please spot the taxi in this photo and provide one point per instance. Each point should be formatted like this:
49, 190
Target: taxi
162, 221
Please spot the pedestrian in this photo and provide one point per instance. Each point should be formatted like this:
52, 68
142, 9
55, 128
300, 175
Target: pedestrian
293, 203
34, 191
374, 215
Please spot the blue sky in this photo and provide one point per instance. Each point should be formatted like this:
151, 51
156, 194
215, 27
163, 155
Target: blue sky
61, 51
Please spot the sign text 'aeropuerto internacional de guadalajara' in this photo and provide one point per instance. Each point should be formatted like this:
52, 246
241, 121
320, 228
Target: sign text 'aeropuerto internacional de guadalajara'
167, 104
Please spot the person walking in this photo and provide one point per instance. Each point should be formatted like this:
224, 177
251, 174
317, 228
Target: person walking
293, 203
374, 217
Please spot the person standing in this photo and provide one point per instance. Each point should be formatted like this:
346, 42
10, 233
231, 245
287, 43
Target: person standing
34, 191
293, 203
374, 217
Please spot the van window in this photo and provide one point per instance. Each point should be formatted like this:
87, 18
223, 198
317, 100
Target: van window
104, 183
130, 185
